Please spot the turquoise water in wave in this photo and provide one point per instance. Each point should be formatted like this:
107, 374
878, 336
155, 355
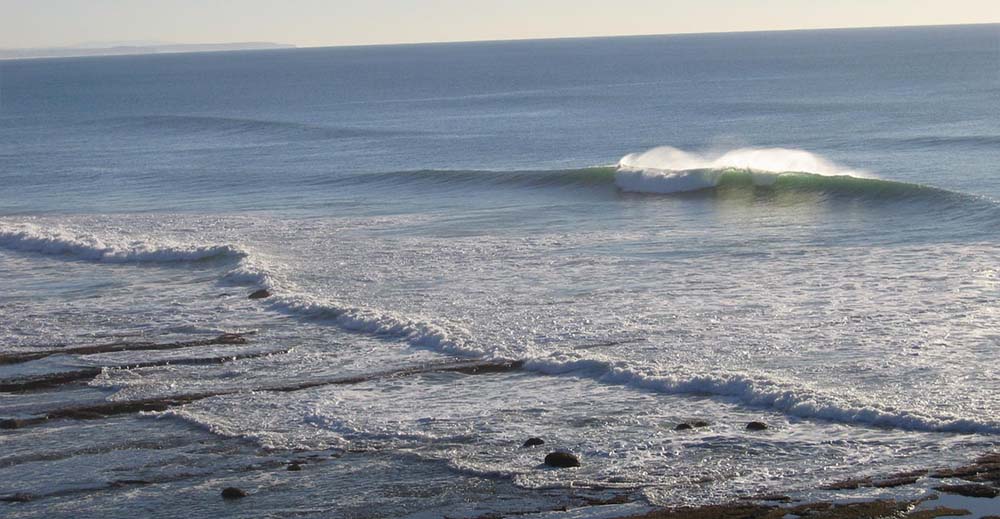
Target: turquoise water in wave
794, 227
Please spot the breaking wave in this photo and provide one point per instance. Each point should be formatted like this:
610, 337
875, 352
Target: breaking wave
667, 170
770, 160
760, 392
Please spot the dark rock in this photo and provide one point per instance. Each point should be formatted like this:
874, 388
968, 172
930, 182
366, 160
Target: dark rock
231, 338
561, 460
756, 426
233, 493
533, 442
986, 477
683, 427
970, 490
18, 498
295, 467
849, 484
700, 423
985, 459
617, 499
260, 294
895, 482
129, 482
12, 423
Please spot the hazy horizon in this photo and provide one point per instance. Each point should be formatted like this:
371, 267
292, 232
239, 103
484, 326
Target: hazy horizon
141, 44
74, 23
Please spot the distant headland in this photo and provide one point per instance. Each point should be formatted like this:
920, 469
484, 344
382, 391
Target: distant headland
122, 49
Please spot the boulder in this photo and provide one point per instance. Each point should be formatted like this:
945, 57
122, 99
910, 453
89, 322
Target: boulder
533, 442
562, 460
233, 493
683, 427
756, 426
700, 423
294, 467
259, 294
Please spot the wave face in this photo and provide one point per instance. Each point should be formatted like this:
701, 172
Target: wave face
787, 173
594, 177
668, 170
63, 242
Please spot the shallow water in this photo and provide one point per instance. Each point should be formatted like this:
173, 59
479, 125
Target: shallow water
769, 226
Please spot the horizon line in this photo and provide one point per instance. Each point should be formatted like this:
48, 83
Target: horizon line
641, 35
294, 46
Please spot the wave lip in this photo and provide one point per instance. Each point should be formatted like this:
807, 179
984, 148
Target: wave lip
63, 242
669, 170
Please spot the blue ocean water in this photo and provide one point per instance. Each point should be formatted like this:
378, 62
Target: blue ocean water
795, 227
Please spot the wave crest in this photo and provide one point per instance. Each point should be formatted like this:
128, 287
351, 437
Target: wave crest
669, 170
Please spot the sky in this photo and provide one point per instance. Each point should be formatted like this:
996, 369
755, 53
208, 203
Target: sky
55, 23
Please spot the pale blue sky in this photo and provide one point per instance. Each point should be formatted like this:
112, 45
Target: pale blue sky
44, 23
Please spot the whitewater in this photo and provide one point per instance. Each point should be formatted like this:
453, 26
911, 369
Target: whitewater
546, 239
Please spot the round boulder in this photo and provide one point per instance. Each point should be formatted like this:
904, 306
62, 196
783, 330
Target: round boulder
756, 426
233, 493
562, 460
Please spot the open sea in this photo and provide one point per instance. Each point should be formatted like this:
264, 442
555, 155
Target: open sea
590, 241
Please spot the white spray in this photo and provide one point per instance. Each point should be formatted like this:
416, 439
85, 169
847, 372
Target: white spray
669, 170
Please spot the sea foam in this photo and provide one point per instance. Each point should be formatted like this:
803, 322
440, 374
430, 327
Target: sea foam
760, 391
448, 338
57, 241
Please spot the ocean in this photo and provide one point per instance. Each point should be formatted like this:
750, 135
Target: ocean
466, 245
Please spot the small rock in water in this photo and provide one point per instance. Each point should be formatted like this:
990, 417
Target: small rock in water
260, 294
533, 442
756, 426
231, 338
561, 460
294, 466
683, 427
700, 423
233, 493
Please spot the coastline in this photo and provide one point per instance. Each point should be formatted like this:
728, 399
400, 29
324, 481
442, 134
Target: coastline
969, 490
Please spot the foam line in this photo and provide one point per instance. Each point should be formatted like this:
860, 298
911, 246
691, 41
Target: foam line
63, 242
786, 398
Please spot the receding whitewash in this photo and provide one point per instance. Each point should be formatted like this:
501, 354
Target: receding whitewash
60, 241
